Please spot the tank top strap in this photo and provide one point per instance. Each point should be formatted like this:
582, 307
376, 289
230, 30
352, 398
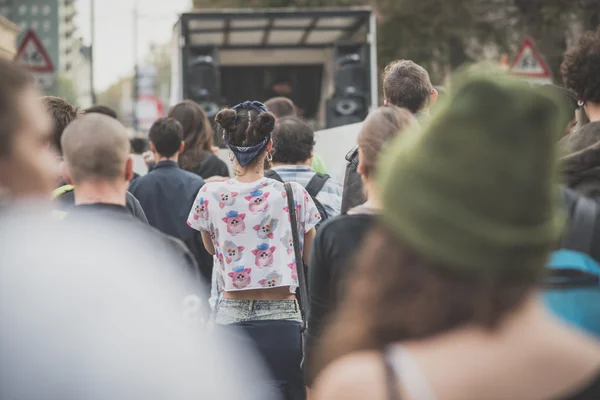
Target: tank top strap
391, 374
400, 366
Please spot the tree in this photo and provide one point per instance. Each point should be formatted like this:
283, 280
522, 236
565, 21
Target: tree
65, 88
113, 96
442, 35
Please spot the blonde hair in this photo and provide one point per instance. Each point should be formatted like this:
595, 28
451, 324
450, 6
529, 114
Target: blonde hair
377, 130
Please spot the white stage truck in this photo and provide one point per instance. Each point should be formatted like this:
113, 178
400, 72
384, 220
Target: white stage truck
324, 59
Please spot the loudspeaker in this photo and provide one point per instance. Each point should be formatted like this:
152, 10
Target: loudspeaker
345, 111
351, 70
202, 80
350, 100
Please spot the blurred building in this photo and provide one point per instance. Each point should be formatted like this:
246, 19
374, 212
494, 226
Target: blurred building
54, 23
8, 38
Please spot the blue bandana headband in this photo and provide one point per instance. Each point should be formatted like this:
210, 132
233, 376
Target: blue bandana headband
245, 155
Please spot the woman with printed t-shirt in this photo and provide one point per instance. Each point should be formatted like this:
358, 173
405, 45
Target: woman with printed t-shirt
245, 223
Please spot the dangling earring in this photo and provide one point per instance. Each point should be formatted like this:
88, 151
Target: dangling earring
269, 157
231, 156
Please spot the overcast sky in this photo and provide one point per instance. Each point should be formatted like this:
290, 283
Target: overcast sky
114, 32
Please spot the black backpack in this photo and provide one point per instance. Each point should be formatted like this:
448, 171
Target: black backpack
313, 188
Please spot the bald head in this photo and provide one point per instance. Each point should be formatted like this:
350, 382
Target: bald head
95, 147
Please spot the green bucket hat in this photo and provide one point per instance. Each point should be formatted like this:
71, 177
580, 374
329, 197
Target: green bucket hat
475, 189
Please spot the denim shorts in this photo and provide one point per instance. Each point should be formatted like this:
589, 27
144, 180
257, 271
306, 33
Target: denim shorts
232, 311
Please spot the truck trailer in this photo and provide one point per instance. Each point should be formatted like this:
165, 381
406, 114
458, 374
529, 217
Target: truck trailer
323, 59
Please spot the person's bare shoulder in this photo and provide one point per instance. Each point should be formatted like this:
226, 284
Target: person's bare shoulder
354, 377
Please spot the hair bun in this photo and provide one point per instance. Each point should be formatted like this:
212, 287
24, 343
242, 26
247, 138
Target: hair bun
225, 118
264, 124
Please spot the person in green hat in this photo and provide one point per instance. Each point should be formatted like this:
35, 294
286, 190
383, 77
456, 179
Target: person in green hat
443, 301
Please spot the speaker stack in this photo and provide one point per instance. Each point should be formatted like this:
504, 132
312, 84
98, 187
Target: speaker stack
202, 80
349, 103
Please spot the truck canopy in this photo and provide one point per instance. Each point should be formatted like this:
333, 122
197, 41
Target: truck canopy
275, 27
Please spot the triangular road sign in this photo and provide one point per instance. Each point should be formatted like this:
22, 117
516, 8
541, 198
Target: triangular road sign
32, 55
529, 63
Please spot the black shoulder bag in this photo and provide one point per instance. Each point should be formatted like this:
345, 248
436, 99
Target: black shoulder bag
302, 288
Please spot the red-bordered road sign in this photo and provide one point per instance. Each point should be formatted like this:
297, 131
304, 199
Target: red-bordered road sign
529, 63
32, 55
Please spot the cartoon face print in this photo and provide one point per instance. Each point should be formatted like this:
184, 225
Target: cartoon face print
314, 216
258, 201
294, 269
232, 252
201, 209
287, 210
266, 227
264, 255
240, 277
220, 259
288, 241
214, 234
272, 280
225, 198
235, 223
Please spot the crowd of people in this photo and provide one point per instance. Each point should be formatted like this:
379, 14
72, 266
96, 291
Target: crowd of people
459, 259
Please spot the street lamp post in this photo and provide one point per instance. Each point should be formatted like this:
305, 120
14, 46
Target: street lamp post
92, 47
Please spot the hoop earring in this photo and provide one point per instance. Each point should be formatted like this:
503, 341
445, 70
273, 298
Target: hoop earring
231, 156
580, 103
269, 157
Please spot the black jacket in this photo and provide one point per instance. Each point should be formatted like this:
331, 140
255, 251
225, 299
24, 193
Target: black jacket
167, 194
581, 163
354, 194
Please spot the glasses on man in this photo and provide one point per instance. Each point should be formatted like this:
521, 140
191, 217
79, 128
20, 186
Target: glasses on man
352, 157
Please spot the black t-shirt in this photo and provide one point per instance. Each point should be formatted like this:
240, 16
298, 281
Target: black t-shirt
333, 247
210, 166
66, 200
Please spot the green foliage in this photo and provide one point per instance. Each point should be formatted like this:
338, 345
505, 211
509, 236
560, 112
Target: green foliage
441, 35
65, 88
113, 96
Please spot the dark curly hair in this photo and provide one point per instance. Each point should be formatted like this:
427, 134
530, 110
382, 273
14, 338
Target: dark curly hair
293, 141
580, 68
244, 127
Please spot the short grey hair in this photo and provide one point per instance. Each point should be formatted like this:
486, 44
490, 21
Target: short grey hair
95, 147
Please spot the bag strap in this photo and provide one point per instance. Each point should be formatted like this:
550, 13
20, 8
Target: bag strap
580, 236
303, 290
271, 174
316, 183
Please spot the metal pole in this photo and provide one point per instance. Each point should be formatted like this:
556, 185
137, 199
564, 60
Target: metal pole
92, 47
135, 64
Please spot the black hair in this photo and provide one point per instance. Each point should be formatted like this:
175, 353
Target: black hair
100, 109
139, 145
244, 127
293, 141
166, 134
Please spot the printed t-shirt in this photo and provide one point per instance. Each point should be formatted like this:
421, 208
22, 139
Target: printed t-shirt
250, 228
